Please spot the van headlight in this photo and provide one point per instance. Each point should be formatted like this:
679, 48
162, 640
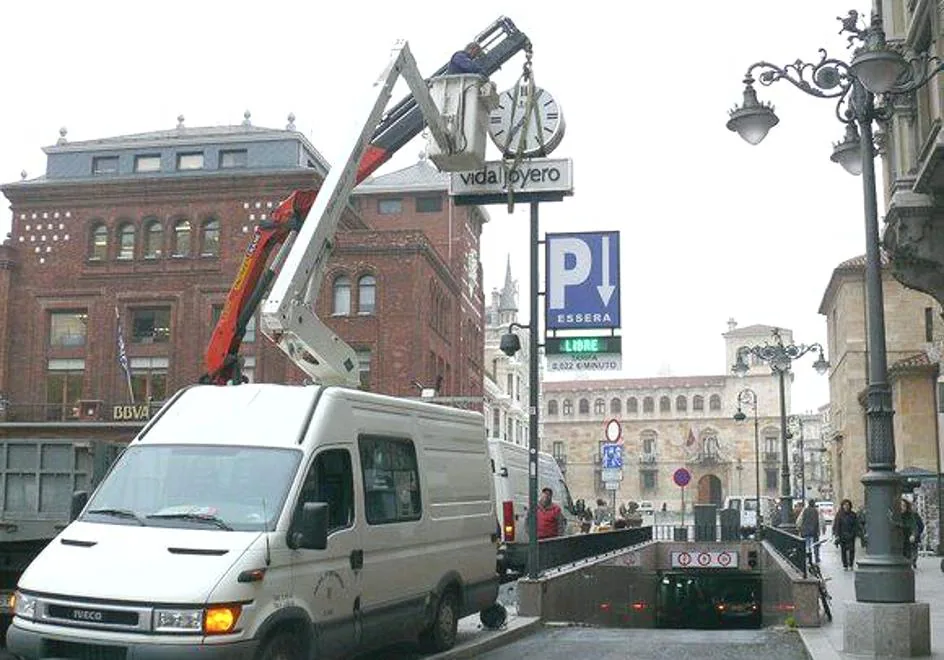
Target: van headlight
24, 606
212, 620
182, 621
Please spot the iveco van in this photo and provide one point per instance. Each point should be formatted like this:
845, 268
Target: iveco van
269, 521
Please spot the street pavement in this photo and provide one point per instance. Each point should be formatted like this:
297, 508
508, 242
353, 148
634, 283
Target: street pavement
568, 643
825, 643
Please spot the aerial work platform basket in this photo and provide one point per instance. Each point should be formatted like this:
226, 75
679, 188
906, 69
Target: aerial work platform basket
464, 101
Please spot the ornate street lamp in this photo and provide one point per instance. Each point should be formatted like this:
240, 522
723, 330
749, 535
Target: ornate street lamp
883, 575
748, 397
779, 356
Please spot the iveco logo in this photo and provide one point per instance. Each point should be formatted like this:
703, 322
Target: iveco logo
87, 615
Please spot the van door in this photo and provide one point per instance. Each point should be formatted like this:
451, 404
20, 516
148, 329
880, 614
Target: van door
329, 580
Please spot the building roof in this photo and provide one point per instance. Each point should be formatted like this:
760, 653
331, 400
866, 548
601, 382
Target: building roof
918, 361
849, 266
634, 383
181, 134
756, 329
419, 177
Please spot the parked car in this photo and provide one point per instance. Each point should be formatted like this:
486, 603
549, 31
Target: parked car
826, 512
747, 506
270, 521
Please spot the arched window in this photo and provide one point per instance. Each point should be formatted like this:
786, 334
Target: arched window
681, 403
182, 231
632, 405
647, 442
616, 406
98, 243
210, 238
153, 239
698, 402
552, 407
648, 405
568, 407
584, 407
366, 295
599, 407
714, 403
665, 404
342, 296
126, 242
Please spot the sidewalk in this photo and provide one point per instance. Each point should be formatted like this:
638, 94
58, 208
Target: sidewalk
825, 643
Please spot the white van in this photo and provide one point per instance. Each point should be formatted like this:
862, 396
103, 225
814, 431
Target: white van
747, 505
509, 467
271, 521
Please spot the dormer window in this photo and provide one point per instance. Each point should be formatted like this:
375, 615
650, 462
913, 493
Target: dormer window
104, 165
147, 163
233, 158
190, 161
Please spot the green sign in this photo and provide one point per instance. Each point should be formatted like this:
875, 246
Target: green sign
583, 345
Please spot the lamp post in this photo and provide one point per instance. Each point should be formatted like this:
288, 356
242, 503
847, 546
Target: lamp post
796, 422
748, 397
780, 356
883, 575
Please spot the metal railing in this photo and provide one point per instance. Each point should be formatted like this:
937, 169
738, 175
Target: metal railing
569, 549
789, 546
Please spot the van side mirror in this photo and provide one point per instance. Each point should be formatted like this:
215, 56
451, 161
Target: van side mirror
79, 500
309, 529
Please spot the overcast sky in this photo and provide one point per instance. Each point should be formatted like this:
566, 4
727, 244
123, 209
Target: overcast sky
710, 227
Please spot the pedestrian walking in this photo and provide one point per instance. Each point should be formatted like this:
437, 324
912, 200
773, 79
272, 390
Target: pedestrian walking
809, 528
911, 528
601, 514
846, 527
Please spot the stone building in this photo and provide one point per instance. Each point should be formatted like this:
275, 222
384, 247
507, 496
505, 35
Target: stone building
506, 378
912, 325
669, 423
152, 227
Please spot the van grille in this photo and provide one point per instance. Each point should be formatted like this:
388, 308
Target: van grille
75, 651
93, 615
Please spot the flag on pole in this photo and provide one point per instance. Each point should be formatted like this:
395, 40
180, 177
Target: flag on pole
123, 355
691, 437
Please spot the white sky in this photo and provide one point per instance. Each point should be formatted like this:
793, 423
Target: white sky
711, 228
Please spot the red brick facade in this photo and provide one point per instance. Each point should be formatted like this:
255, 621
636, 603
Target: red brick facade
427, 322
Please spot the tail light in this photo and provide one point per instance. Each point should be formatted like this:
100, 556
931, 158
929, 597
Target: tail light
508, 521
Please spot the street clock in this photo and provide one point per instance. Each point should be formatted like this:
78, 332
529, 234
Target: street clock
534, 129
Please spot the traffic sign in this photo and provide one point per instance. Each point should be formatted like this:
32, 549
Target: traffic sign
612, 485
705, 559
612, 456
611, 474
582, 280
613, 431
681, 477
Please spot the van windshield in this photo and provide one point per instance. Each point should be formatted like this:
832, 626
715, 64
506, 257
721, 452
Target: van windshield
206, 486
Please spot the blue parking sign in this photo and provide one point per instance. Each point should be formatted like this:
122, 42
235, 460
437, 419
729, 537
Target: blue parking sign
612, 458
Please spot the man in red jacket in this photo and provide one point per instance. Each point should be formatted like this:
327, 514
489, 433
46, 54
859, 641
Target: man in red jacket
551, 521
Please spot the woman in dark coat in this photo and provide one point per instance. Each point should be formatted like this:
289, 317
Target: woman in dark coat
845, 529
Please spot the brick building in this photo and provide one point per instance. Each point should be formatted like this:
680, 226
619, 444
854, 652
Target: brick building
154, 226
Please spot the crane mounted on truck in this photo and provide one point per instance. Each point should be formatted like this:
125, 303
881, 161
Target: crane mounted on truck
289, 307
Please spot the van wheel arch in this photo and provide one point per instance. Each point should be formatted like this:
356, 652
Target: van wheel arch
291, 621
451, 580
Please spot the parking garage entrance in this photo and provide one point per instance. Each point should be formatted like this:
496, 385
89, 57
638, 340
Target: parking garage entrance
708, 600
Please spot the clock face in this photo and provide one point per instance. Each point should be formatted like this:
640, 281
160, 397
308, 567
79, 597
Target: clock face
537, 134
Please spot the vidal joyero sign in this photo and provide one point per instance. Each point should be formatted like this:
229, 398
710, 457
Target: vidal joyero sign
538, 179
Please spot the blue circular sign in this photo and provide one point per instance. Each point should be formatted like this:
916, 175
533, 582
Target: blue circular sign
682, 477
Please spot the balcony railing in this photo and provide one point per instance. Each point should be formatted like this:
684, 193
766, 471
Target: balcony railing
771, 457
647, 459
86, 410
708, 458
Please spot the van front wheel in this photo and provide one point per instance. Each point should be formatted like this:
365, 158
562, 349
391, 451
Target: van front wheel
441, 635
282, 646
